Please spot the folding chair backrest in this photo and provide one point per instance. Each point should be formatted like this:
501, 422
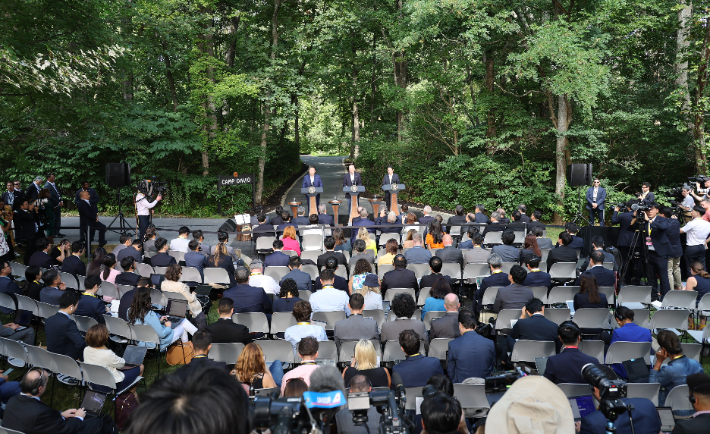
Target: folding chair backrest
420, 270
277, 350
330, 318
593, 348
277, 273
563, 271
118, 327
377, 314
643, 390
312, 270
704, 303
451, 269
227, 353
326, 351
561, 294
99, 375
642, 318
592, 318
575, 389
528, 351
670, 319
45, 310
473, 270
67, 366
506, 266
311, 255
312, 242
382, 269
265, 243
393, 352
178, 255
144, 333
472, 398
504, 318
280, 321
621, 351
39, 357
304, 294
256, 322
7, 301
109, 289
123, 289
493, 237
190, 274
412, 393
677, 399
14, 349
431, 316
392, 292
423, 295
610, 293
18, 269
558, 316
438, 347
680, 299
634, 294
84, 323
69, 280
157, 297
216, 275
691, 351
144, 270
489, 296
28, 304
540, 292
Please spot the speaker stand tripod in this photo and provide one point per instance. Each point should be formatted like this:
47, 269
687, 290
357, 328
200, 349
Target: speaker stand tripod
123, 225
579, 217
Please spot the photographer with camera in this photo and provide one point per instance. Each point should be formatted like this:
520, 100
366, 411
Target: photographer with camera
623, 243
702, 193
144, 205
653, 229
344, 419
607, 390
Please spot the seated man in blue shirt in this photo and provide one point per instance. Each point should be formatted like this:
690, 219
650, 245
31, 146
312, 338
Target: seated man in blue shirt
497, 278
90, 304
416, 369
469, 355
194, 258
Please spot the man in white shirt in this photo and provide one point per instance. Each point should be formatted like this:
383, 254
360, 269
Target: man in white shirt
302, 312
688, 202
180, 244
329, 299
697, 231
258, 280
143, 207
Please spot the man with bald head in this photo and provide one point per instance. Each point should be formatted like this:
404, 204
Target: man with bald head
448, 325
450, 253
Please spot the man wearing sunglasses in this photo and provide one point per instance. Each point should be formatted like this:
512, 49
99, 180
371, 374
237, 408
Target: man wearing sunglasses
596, 197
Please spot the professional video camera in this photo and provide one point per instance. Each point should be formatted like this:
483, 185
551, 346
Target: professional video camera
388, 403
309, 414
152, 188
699, 178
610, 391
640, 209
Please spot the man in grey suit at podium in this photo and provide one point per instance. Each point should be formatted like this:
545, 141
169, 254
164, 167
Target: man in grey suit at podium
390, 178
351, 178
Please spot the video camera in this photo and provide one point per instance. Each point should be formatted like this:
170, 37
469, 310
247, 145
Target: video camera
610, 391
388, 403
308, 414
151, 188
699, 178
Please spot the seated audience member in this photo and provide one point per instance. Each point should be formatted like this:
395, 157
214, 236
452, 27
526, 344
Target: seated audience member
506, 251
149, 244
603, 276
542, 242
477, 254
370, 243
62, 335
628, 331
471, 231
495, 224
262, 229
302, 312
391, 249
128, 277
308, 350
220, 258
678, 368
329, 299
340, 283
172, 284
323, 217
288, 296
53, 289
435, 265
247, 298
408, 242
341, 243
364, 362
251, 370
435, 236
344, 419
417, 254
194, 258
497, 279
563, 252
448, 325
435, 301
329, 244
8, 389
479, 214
96, 266
108, 271
32, 286
532, 325
416, 369
261, 281
598, 244
515, 295
141, 312
326, 379
162, 258
589, 296
530, 248
469, 355
73, 263
295, 388
643, 412
132, 251
390, 219
180, 244
698, 281
301, 219
699, 387
202, 344
450, 253
566, 367
360, 252
203, 249
371, 292
278, 258
441, 413
360, 221
577, 242
302, 279
400, 277
403, 307
127, 298
90, 304
355, 327
536, 277
41, 257
96, 353
290, 240
25, 412
277, 219
225, 330
358, 275
123, 242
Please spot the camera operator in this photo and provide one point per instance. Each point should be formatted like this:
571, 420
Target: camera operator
646, 197
702, 191
623, 243
673, 234
143, 207
344, 419
659, 247
688, 203
645, 416
697, 231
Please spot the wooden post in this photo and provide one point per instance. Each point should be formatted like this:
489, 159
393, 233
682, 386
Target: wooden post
335, 204
294, 208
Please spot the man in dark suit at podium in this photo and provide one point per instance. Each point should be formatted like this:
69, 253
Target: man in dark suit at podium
351, 178
312, 180
89, 217
390, 178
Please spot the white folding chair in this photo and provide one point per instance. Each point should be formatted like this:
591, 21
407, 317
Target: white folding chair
561, 294
677, 299
393, 351
563, 271
382, 269
376, 314
677, 399
144, 270
392, 292
558, 316
178, 255
489, 296
276, 273
420, 270
118, 327
227, 353
280, 321
69, 280
277, 350
473, 270
412, 393
593, 348
438, 348
643, 390
216, 275
311, 255
540, 292
507, 266
610, 293
528, 351
423, 295
109, 289
329, 318
312, 270
45, 310
304, 294
28, 304
431, 316
191, 274
493, 238
451, 269
327, 353
634, 297
670, 319
575, 389
256, 322
472, 398
504, 318
592, 318
621, 351
84, 323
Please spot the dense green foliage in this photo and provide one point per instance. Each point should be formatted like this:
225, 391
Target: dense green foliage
470, 100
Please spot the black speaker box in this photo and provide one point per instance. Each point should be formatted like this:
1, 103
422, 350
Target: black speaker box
118, 174
228, 226
580, 174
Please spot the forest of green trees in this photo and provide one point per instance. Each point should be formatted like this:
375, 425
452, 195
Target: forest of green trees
472, 101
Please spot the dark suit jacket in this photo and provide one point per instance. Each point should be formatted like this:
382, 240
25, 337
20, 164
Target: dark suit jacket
92, 307
624, 221
455, 220
561, 254
348, 183
325, 219
226, 263
470, 355
248, 298
50, 295
415, 371
450, 254
195, 260
497, 279
93, 196
125, 304
132, 252
280, 228
339, 283
445, 327
608, 257
87, 213
355, 327
31, 193
128, 279
63, 337
493, 227
225, 331
532, 224
263, 230
8, 286
428, 280
73, 265
577, 243
337, 255
566, 367
307, 181
696, 425
581, 301
393, 229
162, 260
524, 218
481, 218
276, 220
650, 198
24, 225
41, 259
386, 180
601, 197
366, 255
204, 362
276, 259
513, 296
538, 278
673, 234
399, 278
535, 328
301, 221
28, 415
425, 220
604, 277
646, 419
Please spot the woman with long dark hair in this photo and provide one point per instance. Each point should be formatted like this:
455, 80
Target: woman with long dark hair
435, 237
108, 270
341, 243
435, 301
530, 248
94, 267
589, 296
698, 281
32, 285
141, 312
362, 269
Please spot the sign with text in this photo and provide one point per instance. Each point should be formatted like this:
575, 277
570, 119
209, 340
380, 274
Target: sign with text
236, 179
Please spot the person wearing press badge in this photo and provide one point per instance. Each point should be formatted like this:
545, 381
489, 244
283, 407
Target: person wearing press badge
596, 198
652, 231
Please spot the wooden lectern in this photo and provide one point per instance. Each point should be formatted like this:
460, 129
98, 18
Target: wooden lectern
312, 192
294, 208
354, 191
393, 189
335, 204
375, 207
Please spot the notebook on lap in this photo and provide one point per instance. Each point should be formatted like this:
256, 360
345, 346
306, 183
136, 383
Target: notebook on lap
93, 403
581, 406
176, 311
133, 356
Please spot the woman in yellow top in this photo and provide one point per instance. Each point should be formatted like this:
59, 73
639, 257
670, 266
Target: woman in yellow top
391, 252
435, 237
370, 244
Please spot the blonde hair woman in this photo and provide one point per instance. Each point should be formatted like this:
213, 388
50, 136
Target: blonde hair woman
365, 363
370, 244
251, 370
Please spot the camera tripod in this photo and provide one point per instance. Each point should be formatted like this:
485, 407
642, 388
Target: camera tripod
643, 256
579, 217
123, 225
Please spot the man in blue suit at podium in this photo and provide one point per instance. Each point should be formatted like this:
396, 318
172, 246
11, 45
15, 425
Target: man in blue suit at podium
312, 180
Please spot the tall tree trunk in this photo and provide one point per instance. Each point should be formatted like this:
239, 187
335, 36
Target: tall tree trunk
169, 75
372, 80
400, 77
296, 132
680, 68
355, 142
562, 124
210, 125
267, 109
490, 74
232, 50
699, 109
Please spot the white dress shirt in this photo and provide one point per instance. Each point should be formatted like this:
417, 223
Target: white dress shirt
180, 244
594, 194
142, 204
697, 231
268, 283
330, 299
